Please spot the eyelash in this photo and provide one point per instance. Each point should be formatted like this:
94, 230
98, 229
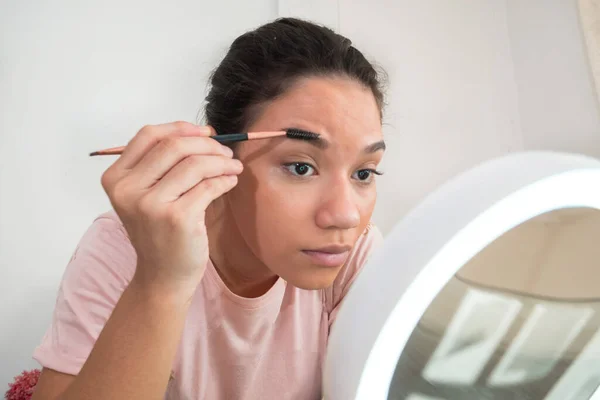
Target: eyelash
289, 167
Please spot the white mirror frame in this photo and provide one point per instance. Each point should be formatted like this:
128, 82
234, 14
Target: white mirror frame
426, 248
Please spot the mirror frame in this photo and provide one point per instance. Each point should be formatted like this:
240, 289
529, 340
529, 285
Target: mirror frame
429, 245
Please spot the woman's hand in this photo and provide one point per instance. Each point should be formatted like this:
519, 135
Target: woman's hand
160, 187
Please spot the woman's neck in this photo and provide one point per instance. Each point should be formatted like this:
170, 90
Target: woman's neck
241, 271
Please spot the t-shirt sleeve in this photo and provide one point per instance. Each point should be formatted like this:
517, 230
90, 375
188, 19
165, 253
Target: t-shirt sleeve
97, 274
367, 243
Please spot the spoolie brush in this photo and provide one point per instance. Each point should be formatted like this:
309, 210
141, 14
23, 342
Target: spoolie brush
291, 133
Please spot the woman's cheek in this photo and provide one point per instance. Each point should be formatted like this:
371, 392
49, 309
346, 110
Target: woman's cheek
287, 203
285, 213
367, 202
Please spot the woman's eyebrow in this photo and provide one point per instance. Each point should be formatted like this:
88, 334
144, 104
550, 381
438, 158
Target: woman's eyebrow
319, 141
375, 147
322, 144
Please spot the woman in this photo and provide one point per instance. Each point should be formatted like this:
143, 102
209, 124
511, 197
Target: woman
219, 272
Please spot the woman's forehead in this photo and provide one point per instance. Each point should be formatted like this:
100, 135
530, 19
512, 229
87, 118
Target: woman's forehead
336, 108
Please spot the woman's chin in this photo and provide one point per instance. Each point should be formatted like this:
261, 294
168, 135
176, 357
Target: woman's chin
313, 280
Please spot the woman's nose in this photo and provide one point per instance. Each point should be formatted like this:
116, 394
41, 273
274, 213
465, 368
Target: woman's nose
339, 208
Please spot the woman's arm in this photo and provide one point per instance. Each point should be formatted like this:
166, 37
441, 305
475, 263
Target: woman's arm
124, 336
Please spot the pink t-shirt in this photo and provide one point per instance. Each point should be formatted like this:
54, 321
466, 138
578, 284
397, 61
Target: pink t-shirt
270, 347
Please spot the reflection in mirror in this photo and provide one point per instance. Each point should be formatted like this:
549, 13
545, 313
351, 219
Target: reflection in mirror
521, 320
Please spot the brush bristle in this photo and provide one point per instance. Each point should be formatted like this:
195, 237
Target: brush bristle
300, 134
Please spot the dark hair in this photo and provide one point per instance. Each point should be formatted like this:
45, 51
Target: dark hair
261, 64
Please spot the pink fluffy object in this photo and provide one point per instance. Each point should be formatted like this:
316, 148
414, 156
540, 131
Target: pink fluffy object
23, 385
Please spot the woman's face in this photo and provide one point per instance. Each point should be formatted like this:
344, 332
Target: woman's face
301, 205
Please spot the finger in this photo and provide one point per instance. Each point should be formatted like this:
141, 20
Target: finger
190, 172
197, 199
150, 135
168, 153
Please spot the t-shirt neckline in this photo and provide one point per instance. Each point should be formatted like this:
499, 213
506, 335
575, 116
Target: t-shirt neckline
275, 293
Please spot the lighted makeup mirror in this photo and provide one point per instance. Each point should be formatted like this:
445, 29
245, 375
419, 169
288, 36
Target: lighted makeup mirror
489, 289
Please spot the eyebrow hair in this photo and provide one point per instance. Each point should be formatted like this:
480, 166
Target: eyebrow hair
375, 147
323, 144
319, 142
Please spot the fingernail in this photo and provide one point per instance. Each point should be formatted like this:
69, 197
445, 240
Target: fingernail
206, 130
227, 151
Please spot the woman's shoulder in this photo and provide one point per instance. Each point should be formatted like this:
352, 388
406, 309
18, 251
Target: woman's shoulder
108, 230
98, 272
109, 218
108, 225
104, 244
368, 242
370, 239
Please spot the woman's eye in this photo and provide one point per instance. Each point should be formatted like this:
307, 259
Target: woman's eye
300, 169
365, 175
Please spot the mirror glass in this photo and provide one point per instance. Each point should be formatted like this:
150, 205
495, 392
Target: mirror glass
521, 320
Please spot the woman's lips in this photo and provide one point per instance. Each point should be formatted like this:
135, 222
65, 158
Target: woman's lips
330, 256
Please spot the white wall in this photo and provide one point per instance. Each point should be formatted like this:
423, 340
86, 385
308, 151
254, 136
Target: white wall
470, 81
77, 76
452, 90
464, 87
557, 105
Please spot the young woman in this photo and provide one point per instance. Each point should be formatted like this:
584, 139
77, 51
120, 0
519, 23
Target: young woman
219, 273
